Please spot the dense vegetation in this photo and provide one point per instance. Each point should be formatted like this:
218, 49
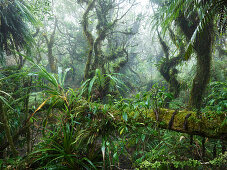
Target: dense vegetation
113, 84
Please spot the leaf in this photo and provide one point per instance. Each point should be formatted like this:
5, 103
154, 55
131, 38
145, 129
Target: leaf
40, 106
136, 115
4, 100
125, 116
116, 80
103, 149
65, 73
122, 130
143, 137
212, 101
60, 75
115, 156
188, 52
86, 159
98, 72
91, 84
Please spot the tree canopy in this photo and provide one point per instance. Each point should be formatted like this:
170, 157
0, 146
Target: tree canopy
113, 84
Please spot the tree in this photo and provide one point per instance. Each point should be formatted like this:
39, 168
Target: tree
50, 44
196, 20
168, 66
107, 17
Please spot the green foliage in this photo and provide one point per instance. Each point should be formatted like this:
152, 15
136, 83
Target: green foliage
191, 163
41, 9
3, 99
11, 163
84, 134
168, 165
175, 152
14, 31
219, 161
64, 148
155, 98
91, 135
102, 83
206, 11
54, 86
13, 97
217, 99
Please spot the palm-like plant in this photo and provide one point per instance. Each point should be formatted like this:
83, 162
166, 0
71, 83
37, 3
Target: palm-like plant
205, 10
101, 83
14, 30
63, 149
55, 87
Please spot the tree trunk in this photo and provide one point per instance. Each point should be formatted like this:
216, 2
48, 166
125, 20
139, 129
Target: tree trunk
15, 137
50, 44
183, 121
168, 67
51, 59
203, 48
7, 130
201, 80
90, 39
188, 122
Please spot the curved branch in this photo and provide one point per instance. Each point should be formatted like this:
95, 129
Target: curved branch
167, 68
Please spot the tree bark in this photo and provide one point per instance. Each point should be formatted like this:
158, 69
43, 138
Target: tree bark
90, 39
188, 122
50, 44
203, 48
167, 68
201, 79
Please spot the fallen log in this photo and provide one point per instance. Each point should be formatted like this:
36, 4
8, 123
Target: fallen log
210, 126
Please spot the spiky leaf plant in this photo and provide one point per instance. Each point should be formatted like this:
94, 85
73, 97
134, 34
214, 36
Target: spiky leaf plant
15, 33
63, 149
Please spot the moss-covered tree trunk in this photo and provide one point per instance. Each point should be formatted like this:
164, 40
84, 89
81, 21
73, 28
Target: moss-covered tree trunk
168, 67
203, 47
201, 79
188, 122
208, 125
89, 37
50, 44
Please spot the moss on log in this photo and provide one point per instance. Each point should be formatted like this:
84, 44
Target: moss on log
208, 125
211, 126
